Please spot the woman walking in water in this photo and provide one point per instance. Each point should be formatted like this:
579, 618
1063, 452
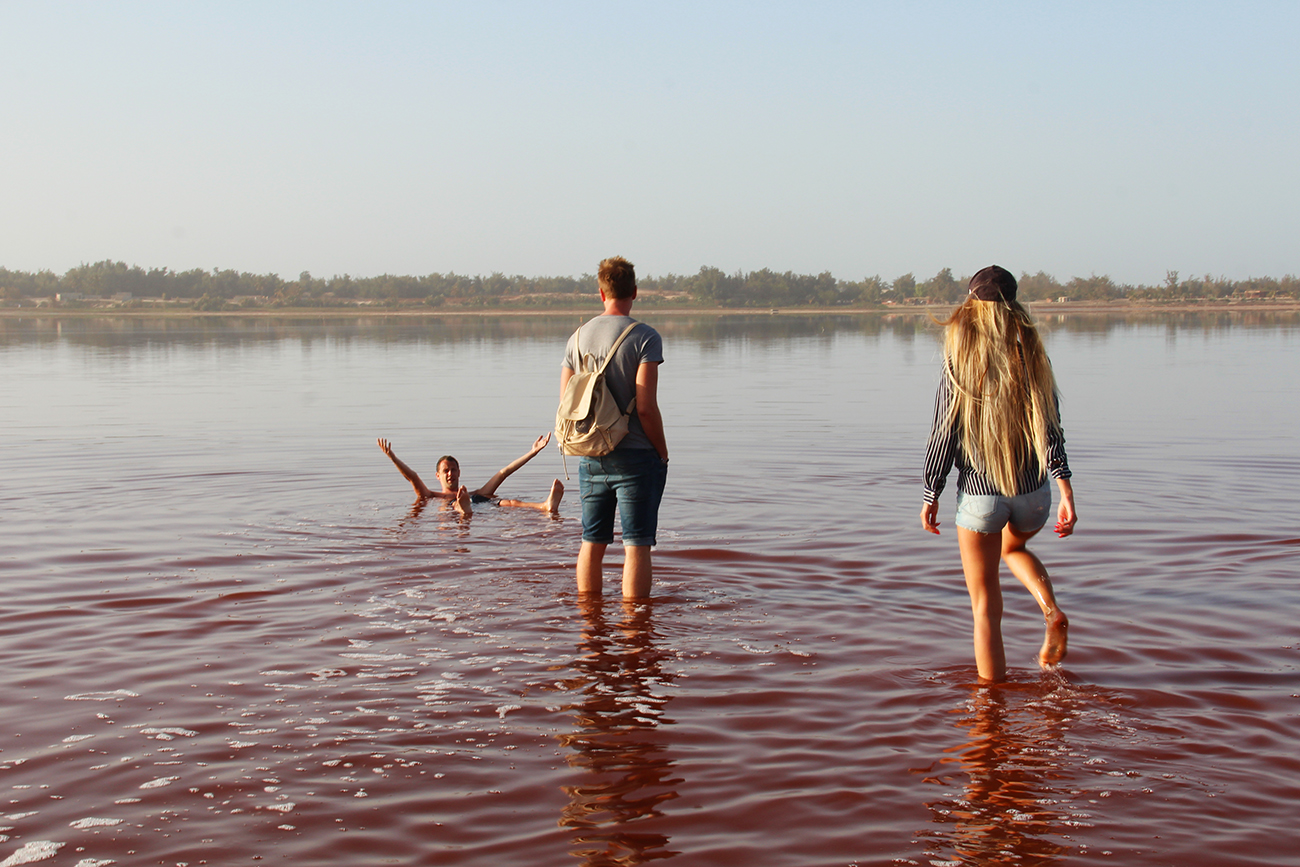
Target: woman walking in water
997, 417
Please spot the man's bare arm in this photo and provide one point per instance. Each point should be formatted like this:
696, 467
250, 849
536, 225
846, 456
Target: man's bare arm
647, 406
508, 470
421, 489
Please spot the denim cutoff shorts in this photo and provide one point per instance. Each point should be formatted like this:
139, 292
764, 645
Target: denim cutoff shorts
985, 513
633, 480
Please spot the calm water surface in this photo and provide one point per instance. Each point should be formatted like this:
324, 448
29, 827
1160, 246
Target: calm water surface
228, 637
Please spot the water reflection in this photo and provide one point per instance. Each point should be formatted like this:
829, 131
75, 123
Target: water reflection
709, 329
443, 517
1010, 778
620, 691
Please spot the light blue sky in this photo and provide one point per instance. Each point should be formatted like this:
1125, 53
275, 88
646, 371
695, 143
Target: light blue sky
536, 138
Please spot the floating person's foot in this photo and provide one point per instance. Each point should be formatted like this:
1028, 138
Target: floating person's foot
1055, 640
462, 501
552, 502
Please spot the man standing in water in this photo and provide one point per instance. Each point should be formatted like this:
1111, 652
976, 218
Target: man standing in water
630, 478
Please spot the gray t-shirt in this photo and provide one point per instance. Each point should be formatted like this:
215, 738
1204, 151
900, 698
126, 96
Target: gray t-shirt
643, 345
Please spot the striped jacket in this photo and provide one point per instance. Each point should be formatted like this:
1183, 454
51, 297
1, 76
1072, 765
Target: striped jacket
944, 449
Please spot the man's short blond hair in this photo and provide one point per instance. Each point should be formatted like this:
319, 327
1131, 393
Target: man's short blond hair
617, 277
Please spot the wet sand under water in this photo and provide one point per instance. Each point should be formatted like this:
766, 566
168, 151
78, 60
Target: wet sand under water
227, 636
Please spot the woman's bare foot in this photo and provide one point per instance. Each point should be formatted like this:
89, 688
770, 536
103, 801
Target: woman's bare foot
552, 502
1055, 640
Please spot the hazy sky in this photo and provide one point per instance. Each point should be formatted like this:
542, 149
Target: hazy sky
531, 138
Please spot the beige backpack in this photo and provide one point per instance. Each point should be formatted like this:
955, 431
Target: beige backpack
588, 421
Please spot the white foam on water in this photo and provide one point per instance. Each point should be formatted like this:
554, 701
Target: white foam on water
37, 850
159, 782
72, 739
167, 734
93, 822
101, 696
170, 729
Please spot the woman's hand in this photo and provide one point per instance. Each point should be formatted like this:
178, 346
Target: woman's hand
1065, 514
930, 511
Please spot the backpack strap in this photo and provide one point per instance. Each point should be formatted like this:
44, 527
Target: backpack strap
577, 347
577, 350
614, 348
631, 404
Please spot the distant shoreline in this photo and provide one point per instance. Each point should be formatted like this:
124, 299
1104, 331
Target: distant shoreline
1038, 308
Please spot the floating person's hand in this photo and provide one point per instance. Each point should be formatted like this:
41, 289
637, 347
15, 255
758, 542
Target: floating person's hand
541, 442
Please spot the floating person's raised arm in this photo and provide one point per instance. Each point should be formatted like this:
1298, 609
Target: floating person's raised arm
421, 489
509, 469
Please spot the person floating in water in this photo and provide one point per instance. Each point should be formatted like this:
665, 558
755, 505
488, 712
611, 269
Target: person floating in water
997, 417
463, 499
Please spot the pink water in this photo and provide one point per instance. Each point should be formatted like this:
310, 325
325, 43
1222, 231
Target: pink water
226, 636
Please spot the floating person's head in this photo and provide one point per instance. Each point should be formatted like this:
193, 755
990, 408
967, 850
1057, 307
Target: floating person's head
449, 473
617, 278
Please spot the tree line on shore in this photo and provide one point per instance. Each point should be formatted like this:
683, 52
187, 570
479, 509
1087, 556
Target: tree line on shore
225, 289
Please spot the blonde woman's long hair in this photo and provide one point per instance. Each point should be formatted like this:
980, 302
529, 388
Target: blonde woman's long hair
1004, 392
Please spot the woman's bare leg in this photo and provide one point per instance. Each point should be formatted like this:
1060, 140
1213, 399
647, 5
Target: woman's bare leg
421, 489
1031, 572
980, 555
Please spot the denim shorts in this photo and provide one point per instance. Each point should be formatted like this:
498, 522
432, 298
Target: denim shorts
633, 480
1026, 513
